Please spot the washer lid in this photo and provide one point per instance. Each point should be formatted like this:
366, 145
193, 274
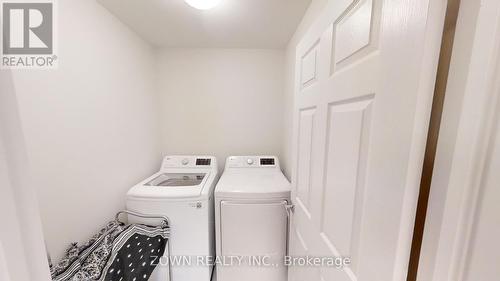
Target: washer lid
177, 179
253, 183
172, 185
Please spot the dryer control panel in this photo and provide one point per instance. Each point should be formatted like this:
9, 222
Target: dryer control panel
252, 162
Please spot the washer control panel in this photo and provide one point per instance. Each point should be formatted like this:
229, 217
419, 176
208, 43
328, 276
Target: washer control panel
252, 162
188, 161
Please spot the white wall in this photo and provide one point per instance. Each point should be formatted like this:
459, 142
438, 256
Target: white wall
91, 126
312, 13
221, 101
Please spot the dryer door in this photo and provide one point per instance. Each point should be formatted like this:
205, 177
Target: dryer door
256, 234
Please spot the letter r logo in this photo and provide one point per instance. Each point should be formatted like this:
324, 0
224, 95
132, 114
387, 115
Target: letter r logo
27, 28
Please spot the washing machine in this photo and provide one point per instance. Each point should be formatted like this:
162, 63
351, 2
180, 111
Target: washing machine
252, 200
183, 191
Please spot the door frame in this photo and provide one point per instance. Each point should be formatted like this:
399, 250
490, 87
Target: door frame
471, 110
22, 254
430, 64
446, 49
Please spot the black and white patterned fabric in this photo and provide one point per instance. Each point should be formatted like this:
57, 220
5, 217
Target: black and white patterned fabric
117, 253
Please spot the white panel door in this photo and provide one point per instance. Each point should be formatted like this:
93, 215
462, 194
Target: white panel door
360, 123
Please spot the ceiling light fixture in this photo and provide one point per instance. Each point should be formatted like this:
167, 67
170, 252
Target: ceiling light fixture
203, 4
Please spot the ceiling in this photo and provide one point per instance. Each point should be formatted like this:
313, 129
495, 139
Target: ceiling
232, 24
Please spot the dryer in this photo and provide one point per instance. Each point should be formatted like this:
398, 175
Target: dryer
251, 201
183, 191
